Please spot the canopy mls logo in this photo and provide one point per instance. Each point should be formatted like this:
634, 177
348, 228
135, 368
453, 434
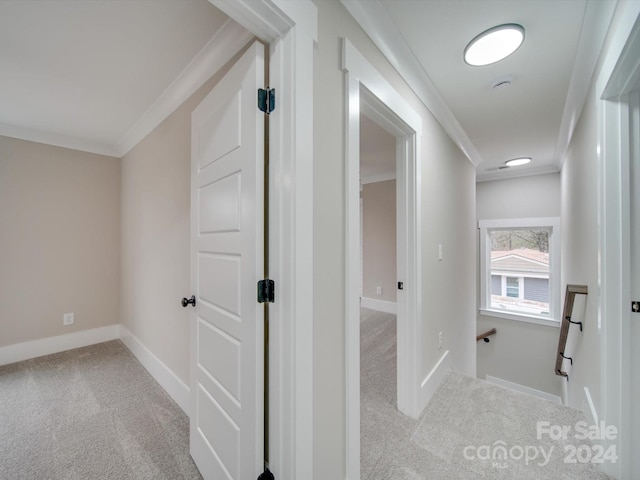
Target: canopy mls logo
552, 437
499, 453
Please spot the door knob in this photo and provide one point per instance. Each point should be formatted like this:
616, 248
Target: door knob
191, 301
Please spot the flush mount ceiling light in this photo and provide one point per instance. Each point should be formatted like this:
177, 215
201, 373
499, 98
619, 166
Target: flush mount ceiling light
494, 44
516, 162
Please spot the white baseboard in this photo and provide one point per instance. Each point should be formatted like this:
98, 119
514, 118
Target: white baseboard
379, 305
60, 343
564, 392
168, 380
524, 389
433, 380
592, 407
46, 346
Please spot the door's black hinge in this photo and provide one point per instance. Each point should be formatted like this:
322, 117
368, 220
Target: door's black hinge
266, 475
266, 291
267, 100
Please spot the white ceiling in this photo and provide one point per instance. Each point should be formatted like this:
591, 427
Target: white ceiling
93, 74
534, 117
99, 75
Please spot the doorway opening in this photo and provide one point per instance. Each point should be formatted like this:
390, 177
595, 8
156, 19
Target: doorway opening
378, 301
366, 89
378, 217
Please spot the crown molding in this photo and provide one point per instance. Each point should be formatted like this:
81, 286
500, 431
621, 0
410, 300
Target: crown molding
516, 172
272, 19
227, 41
372, 17
597, 18
623, 77
57, 140
379, 177
216, 53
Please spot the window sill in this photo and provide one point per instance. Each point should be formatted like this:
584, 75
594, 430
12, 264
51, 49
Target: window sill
520, 318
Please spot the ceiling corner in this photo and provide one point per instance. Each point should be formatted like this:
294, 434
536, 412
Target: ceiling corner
373, 19
516, 173
57, 140
227, 41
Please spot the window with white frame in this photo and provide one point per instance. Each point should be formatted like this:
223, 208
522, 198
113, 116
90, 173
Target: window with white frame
520, 269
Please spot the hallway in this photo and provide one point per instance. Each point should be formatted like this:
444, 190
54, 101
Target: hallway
96, 226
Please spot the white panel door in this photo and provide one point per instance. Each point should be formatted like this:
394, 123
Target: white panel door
227, 260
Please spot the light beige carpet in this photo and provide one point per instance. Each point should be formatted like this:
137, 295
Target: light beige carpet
88, 414
471, 429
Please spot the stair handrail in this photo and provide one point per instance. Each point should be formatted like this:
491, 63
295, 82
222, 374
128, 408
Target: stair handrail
570, 295
485, 336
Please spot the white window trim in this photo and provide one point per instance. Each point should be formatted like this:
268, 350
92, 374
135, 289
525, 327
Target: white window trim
503, 281
551, 223
504, 273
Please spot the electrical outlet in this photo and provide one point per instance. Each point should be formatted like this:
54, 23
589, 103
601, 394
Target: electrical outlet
439, 340
67, 319
379, 290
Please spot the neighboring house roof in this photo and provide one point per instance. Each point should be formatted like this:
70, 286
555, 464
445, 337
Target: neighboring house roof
522, 260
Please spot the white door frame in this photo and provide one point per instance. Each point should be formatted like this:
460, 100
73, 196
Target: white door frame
367, 89
290, 29
619, 73
634, 261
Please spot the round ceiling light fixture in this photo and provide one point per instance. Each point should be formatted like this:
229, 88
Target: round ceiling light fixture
516, 162
494, 44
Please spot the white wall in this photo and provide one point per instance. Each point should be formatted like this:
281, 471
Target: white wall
448, 209
580, 252
59, 240
523, 197
379, 240
581, 232
522, 353
156, 196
